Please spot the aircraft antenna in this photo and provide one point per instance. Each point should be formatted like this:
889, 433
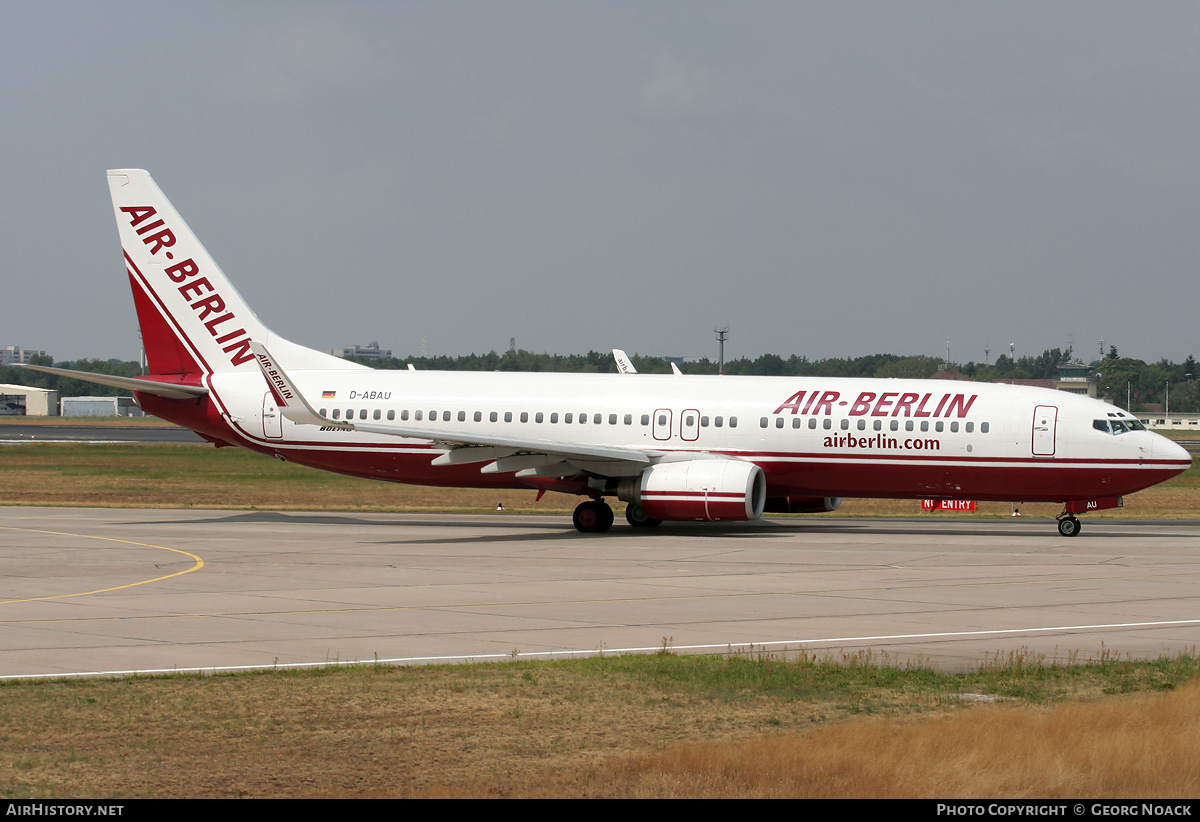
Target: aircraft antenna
722, 335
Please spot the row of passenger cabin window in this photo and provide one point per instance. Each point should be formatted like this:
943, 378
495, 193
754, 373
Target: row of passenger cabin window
876, 425
524, 416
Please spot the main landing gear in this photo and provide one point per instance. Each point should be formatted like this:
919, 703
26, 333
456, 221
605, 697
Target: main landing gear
637, 517
593, 516
1068, 525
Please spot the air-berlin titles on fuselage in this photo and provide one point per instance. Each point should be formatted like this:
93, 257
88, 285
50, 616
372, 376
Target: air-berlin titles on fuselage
886, 404
158, 237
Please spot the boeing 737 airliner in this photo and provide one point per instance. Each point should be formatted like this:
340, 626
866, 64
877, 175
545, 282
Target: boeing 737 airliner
674, 447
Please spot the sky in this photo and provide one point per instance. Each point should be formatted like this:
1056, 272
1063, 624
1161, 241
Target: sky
825, 179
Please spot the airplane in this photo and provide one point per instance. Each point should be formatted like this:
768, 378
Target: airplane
674, 447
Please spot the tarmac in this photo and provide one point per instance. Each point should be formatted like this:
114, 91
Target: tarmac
88, 592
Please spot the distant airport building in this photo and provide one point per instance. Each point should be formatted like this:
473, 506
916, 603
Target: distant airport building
16, 355
100, 407
1076, 377
23, 401
366, 352
1169, 422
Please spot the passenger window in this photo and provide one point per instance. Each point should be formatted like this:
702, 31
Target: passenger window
796, 422
583, 419
924, 425
612, 419
568, 417
478, 416
970, 427
524, 416
377, 414
391, 415
939, 426
733, 422
779, 422
953, 428
718, 421
362, 413
662, 419
462, 416
827, 424
862, 425
845, 425
322, 413
878, 425
645, 419
417, 417
629, 419
812, 422
983, 427
762, 422
554, 417
337, 413
492, 417
895, 425
538, 417
908, 425
403, 415
508, 416
597, 419
446, 416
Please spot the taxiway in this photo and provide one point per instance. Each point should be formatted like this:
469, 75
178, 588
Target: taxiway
108, 591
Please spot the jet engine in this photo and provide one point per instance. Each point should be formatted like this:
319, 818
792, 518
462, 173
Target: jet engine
706, 489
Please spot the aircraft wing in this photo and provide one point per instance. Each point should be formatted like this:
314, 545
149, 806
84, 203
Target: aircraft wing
624, 364
174, 391
468, 447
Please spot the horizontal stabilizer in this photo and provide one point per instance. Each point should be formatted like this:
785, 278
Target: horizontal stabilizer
170, 390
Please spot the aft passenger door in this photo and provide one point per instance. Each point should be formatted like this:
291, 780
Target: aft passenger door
271, 418
1045, 424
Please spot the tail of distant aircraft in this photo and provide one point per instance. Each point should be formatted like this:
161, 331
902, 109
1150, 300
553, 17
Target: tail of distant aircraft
193, 320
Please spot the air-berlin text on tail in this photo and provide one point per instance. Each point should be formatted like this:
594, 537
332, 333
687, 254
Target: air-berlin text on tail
885, 404
199, 293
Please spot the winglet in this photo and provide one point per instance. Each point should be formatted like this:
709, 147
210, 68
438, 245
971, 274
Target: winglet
624, 364
675, 370
287, 397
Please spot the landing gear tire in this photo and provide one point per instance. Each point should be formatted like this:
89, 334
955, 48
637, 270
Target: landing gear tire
1068, 527
638, 519
593, 517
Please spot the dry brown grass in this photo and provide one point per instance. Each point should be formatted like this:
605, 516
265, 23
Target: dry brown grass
585, 729
1142, 746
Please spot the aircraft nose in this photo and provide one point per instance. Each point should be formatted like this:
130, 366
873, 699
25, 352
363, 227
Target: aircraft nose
1166, 449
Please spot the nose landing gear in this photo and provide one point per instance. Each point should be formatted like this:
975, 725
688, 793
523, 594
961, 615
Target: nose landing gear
1068, 525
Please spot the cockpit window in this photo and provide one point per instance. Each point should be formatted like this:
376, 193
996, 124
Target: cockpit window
1116, 427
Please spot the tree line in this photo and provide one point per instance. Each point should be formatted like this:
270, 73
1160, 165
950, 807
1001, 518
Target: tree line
1125, 380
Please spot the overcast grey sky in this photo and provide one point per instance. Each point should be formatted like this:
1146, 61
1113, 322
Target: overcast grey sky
828, 179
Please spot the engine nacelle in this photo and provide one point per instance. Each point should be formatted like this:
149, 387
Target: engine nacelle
709, 489
802, 505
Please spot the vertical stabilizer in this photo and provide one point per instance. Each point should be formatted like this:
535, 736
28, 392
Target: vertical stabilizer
193, 320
